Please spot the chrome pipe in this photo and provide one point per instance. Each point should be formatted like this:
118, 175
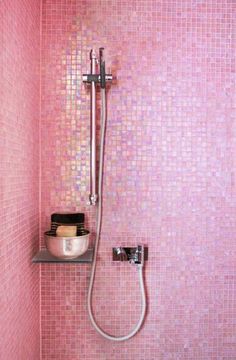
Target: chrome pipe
92, 79
93, 186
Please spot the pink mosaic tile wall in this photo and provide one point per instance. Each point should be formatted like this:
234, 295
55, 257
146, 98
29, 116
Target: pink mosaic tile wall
169, 176
19, 180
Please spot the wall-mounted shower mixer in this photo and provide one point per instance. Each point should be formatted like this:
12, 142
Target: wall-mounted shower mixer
135, 255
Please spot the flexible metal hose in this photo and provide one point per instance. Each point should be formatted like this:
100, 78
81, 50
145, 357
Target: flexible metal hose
98, 232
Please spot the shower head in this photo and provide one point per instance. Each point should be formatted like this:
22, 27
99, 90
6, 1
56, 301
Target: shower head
92, 54
101, 53
102, 69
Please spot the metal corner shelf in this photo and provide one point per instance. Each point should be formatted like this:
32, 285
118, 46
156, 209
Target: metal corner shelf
43, 256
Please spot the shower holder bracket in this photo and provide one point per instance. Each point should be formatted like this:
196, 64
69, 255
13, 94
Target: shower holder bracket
131, 254
89, 78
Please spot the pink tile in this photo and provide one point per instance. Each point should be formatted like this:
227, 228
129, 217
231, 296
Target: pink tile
169, 177
19, 180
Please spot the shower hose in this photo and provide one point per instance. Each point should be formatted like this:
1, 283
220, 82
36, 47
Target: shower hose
98, 232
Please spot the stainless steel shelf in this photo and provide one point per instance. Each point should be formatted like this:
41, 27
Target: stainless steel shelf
43, 256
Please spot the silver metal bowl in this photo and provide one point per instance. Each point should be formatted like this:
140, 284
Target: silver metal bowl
67, 247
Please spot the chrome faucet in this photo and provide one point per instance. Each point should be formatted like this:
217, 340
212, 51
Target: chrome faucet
137, 255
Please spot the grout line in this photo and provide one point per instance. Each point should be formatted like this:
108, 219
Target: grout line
40, 173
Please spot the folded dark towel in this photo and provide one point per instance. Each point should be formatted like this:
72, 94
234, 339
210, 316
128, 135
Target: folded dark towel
76, 218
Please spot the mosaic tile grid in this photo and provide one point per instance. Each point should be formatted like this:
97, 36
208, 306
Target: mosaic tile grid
19, 180
169, 176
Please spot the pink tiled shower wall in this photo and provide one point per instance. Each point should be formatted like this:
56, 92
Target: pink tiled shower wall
169, 177
19, 180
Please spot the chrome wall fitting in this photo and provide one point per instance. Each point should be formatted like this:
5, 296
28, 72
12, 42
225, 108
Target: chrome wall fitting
88, 78
120, 254
135, 255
